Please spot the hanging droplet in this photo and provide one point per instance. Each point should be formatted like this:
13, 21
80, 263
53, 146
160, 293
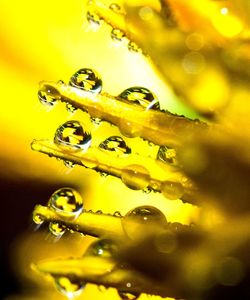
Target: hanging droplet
48, 95
167, 154
115, 144
38, 219
68, 286
69, 164
66, 202
128, 128
70, 108
115, 7
135, 177
133, 47
117, 214
57, 229
96, 121
117, 34
128, 296
87, 79
71, 136
94, 19
142, 96
172, 190
103, 248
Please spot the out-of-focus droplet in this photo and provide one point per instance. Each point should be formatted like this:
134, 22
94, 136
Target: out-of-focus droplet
69, 164
57, 229
38, 219
71, 136
68, 286
70, 108
128, 296
48, 95
117, 34
146, 13
102, 247
193, 63
142, 96
167, 155
115, 7
94, 19
172, 190
66, 202
194, 41
135, 177
165, 242
133, 47
115, 144
87, 79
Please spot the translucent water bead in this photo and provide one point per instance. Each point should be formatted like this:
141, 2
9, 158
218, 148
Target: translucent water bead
87, 79
71, 136
57, 229
66, 202
142, 96
102, 247
48, 95
128, 296
115, 144
69, 286
167, 155
135, 177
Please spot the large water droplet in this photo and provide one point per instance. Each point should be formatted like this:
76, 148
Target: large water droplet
69, 287
57, 229
48, 95
87, 79
66, 202
128, 296
115, 144
71, 136
142, 96
167, 155
117, 34
103, 248
172, 190
135, 177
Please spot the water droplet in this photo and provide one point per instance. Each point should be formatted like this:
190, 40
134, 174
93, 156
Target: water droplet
133, 47
193, 63
117, 34
48, 95
69, 287
102, 247
70, 108
86, 79
57, 229
135, 177
72, 137
69, 164
115, 7
98, 212
66, 202
142, 96
172, 190
167, 154
102, 288
38, 219
128, 296
115, 144
128, 128
117, 214
93, 18
96, 121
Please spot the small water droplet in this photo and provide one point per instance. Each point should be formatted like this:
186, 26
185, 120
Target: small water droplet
57, 229
87, 79
128, 128
135, 177
172, 190
71, 136
66, 202
142, 96
48, 95
128, 296
147, 190
102, 247
133, 47
69, 164
69, 287
117, 34
115, 7
70, 108
38, 219
102, 288
117, 214
98, 212
96, 121
115, 144
103, 174
94, 19
167, 154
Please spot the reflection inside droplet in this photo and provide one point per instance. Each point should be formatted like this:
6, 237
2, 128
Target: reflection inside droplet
115, 144
117, 34
167, 154
87, 79
135, 177
68, 286
57, 229
48, 95
102, 247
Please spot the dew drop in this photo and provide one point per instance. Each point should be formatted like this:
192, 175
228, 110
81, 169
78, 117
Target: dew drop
69, 164
133, 47
71, 136
102, 247
117, 34
172, 190
57, 229
115, 7
167, 154
142, 96
87, 79
93, 18
68, 286
128, 296
117, 214
70, 108
135, 177
128, 128
38, 219
115, 144
96, 121
66, 202
48, 95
